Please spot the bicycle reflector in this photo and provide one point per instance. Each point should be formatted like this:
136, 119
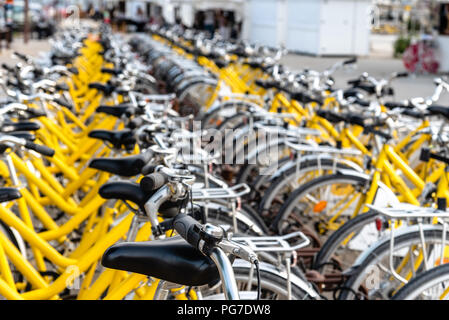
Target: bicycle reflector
381, 223
320, 206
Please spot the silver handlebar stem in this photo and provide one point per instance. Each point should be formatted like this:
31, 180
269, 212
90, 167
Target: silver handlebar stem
226, 272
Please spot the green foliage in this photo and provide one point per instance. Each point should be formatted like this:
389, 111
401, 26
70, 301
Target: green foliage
400, 45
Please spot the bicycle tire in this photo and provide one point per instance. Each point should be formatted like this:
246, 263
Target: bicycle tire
357, 273
305, 189
336, 238
286, 177
422, 282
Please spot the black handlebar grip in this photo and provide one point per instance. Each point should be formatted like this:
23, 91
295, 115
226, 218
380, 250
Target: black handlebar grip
424, 155
402, 75
43, 150
148, 168
109, 71
414, 113
394, 105
350, 61
147, 156
7, 68
21, 56
434, 156
135, 123
153, 181
382, 134
130, 111
362, 103
188, 228
353, 82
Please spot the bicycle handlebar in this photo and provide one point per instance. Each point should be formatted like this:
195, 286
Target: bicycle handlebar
44, 150
188, 228
350, 61
153, 181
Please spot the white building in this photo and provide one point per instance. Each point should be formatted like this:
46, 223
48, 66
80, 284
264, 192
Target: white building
318, 27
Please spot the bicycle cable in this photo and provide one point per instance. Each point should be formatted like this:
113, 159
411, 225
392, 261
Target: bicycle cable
259, 289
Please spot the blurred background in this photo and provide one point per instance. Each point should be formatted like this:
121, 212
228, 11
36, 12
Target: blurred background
386, 35
317, 27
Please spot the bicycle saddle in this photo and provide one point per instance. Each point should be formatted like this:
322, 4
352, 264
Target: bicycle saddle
221, 63
123, 190
254, 64
351, 92
62, 86
64, 103
117, 110
33, 113
73, 70
330, 116
265, 84
414, 113
130, 191
19, 126
400, 105
9, 194
117, 138
62, 60
126, 166
171, 259
306, 98
24, 135
112, 71
107, 89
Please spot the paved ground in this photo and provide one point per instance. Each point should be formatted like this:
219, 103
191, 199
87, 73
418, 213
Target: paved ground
33, 48
379, 64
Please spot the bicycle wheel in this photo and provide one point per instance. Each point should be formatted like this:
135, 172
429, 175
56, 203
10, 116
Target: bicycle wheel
273, 285
372, 278
281, 187
429, 285
324, 203
343, 246
216, 115
254, 166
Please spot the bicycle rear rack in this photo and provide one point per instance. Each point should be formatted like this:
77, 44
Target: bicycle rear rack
408, 211
323, 149
405, 211
233, 192
278, 244
294, 132
282, 245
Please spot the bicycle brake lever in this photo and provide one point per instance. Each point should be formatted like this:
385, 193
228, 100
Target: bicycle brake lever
240, 251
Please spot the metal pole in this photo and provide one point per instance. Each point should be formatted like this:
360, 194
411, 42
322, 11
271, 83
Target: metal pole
26, 24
